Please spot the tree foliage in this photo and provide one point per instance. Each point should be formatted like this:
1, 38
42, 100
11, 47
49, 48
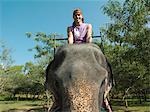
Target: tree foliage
46, 44
5, 63
5, 56
127, 43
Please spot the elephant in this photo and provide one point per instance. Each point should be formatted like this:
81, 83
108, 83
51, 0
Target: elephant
77, 78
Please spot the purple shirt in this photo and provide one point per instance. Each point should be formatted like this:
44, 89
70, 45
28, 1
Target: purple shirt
79, 33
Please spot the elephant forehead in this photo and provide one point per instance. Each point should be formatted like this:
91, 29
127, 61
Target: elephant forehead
72, 61
86, 53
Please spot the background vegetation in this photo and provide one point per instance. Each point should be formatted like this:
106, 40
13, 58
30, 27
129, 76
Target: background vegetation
125, 41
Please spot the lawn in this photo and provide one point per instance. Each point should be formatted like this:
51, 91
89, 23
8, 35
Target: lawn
37, 106
131, 109
21, 106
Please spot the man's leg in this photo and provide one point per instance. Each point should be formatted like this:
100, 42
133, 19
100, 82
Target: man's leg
107, 90
107, 105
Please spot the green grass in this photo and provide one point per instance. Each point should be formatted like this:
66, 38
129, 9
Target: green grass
37, 106
133, 106
21, 106
131, 109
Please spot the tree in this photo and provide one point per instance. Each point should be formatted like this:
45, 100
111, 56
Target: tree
46, 44
128, 43
5, 57
5, 63
45, 50
15, 79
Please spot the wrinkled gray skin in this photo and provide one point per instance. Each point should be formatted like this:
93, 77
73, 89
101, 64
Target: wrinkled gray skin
76, 78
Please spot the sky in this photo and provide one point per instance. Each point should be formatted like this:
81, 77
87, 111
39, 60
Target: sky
49, 16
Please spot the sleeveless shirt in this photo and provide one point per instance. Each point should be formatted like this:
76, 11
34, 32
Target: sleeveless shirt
79, 33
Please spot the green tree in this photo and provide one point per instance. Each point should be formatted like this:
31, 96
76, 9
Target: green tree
6, 62
5, 56
128, 43
35, 72
45, 50
15, 78
45, 44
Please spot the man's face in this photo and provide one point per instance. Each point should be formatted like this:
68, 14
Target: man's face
78, 17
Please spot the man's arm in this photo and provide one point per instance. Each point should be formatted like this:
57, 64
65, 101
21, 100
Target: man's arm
70, 36
89, 33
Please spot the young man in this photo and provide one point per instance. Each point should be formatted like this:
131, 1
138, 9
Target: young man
79, 32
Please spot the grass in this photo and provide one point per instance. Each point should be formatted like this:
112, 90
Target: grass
21, 106
37, 106
133, 106
131, 109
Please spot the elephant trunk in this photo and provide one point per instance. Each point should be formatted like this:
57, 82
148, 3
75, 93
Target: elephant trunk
83, 96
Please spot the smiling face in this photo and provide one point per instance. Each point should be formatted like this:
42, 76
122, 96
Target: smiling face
77, 16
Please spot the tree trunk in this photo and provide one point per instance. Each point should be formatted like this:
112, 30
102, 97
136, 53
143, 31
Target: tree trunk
126, 103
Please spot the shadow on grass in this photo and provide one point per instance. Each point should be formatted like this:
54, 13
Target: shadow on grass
33, 105
123, 109
25, 110
38, 110
130, 103
6, 102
